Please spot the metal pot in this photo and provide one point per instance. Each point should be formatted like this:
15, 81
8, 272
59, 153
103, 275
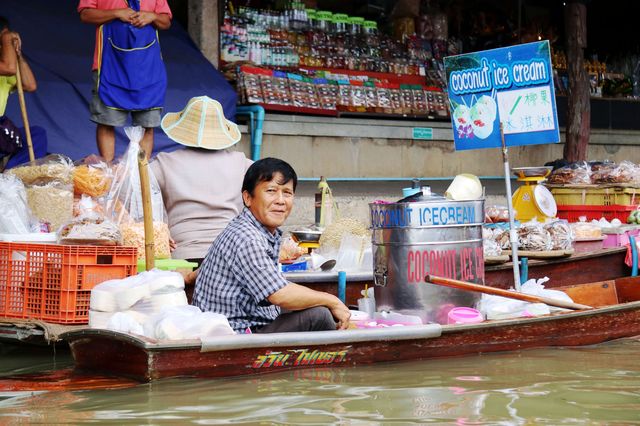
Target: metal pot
306, 236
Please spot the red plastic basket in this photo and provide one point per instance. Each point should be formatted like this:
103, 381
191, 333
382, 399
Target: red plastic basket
573, 213
53, 282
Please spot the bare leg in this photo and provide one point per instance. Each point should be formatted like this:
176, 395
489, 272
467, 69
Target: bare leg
105, 136
147, 141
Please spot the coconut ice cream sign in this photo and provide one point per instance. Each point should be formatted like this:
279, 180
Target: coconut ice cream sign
511, 85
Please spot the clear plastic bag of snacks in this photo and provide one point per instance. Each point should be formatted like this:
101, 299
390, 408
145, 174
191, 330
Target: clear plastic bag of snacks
576, 173
92, 177
52, 168
124, 202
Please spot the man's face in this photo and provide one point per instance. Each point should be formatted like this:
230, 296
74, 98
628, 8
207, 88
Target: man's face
271, 201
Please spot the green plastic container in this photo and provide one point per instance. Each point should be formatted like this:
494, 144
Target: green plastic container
168, 265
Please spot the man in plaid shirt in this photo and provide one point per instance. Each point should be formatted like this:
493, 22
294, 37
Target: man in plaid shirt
239, 277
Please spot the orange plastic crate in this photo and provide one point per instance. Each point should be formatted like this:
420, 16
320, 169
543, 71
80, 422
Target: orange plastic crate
53, 282
573, 212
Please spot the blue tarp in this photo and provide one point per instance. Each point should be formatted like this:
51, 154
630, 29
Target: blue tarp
59, 49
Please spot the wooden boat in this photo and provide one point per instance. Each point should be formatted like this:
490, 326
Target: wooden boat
601, 265
616, 314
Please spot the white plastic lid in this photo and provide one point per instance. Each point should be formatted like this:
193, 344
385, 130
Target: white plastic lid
34, 237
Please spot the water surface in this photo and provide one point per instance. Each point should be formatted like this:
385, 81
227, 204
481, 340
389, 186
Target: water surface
589, 385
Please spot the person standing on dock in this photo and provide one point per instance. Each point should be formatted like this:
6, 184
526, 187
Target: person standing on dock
10, 59
239, 277
128, 71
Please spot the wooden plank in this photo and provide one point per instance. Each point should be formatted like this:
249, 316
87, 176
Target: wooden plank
628, 289
593, 294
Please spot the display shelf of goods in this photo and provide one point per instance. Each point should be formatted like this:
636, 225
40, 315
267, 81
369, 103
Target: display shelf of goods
323, 92
596, 196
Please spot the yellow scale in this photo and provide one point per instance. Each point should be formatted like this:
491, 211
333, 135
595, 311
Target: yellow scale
531, 199
309, 246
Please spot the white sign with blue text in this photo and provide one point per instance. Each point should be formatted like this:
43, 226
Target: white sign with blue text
511, 85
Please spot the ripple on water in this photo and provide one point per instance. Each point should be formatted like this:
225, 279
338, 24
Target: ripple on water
599, 384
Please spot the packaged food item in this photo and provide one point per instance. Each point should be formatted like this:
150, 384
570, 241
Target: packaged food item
92, 179
327, 93
358, 96
371, 96
496, 214
52, 168
290, 250
133, 235
124, 201
575, 173
384, 98
87, 206
533, 236
345, 99
625, 172
90, 230
582, 230
15, 214
51, 203
561, 234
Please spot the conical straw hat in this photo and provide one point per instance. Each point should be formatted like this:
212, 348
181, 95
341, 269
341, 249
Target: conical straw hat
201, 124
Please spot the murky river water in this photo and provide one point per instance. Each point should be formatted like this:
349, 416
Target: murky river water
592, 385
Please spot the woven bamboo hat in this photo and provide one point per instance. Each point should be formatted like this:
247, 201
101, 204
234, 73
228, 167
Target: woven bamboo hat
201, 124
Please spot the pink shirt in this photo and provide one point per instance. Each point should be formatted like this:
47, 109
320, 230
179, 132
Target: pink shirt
155, 6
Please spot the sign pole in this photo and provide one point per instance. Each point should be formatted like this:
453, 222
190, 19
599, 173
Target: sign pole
513, 235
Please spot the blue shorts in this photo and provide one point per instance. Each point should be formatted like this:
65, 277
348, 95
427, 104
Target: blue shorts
102, 114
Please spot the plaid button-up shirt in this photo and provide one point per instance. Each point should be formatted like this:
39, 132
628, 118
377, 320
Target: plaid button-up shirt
239, 272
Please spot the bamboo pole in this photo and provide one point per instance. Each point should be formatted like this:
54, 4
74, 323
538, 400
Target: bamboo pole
146, 211
23, 110
464, 285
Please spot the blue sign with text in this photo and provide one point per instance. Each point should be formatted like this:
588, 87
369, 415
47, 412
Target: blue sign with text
510, 85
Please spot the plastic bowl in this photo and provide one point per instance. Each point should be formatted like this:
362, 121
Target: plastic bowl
463, 315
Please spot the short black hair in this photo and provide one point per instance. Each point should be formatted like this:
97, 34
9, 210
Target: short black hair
263, 171
4, 23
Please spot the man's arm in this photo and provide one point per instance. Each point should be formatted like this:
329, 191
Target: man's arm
161, 21
28, 79
8, 56
295, 297
99, 17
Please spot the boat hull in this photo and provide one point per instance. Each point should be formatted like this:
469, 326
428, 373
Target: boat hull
121, 354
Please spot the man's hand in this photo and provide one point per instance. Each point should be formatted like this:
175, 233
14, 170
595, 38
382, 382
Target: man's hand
172, 244
126, 15
12, 39
142, 19
341, 314
17, 43
190, 277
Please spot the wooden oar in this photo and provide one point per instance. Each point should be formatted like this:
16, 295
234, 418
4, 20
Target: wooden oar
23, 110
464, 285
147, 212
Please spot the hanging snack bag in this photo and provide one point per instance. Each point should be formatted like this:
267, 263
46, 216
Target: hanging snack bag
92, 179
51, 203
124, 202
52, 168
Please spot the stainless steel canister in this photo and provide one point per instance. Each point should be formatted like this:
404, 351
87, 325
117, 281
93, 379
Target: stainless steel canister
438, 237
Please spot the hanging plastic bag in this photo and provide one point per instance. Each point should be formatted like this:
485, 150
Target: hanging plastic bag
15, 215
124, 201
52, 168
92, 177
